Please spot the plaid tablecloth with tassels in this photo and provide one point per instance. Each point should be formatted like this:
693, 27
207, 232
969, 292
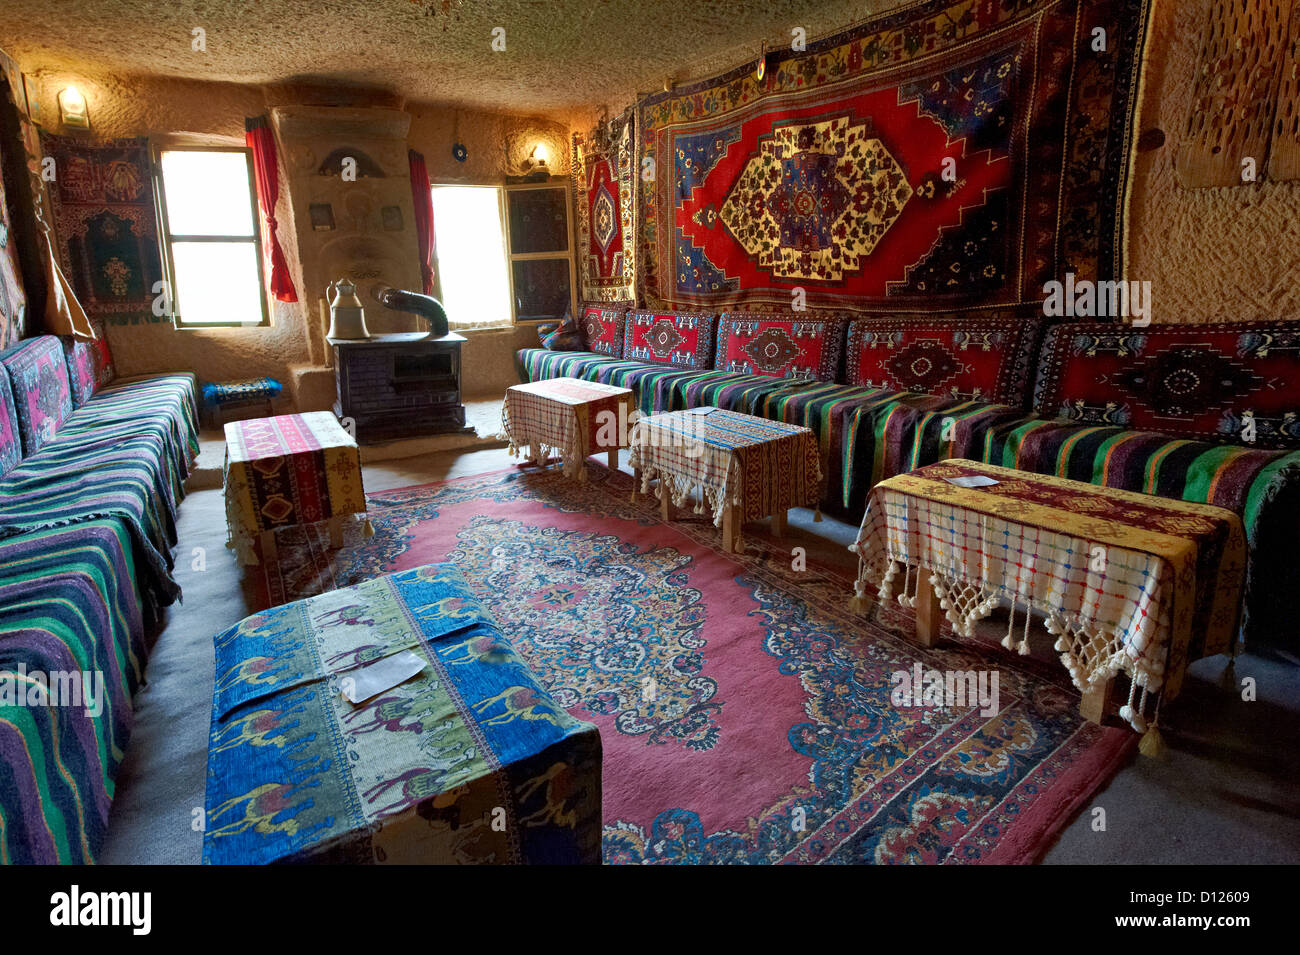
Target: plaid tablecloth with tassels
1128, 582
762, 467
566, 416
287, 470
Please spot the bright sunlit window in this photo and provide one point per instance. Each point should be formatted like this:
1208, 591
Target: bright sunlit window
471, 253
210, 237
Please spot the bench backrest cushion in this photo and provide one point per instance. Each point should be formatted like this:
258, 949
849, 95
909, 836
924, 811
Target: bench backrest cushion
780, 344
83, 374
603, 326
38, 375
11, 445
1233, 383
979, 355
671, 338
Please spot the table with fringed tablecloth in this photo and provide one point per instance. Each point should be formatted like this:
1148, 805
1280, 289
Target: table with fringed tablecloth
567, 417
747, 468
1128, 583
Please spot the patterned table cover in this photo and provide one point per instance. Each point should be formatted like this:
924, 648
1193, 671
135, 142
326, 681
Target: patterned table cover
761, 467
470, 760
566, 416
1128, 582
287, 470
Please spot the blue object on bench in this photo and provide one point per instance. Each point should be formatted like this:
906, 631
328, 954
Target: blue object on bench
218, 393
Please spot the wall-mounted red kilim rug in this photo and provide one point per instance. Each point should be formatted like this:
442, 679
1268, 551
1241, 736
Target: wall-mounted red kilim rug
605, 194
745, 713
955, 153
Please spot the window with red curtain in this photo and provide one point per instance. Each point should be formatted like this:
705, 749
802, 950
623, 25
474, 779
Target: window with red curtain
266, 178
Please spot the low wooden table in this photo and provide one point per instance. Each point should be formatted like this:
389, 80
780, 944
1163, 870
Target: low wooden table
289, 470
1129, 583
747, 468
569, 417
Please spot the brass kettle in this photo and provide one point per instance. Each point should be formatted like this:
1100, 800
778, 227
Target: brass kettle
347, 316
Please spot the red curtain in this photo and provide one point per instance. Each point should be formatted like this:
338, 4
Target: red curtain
266, 177
423, 200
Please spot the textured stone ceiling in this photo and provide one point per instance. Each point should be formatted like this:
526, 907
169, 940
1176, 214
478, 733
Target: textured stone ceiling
560, 55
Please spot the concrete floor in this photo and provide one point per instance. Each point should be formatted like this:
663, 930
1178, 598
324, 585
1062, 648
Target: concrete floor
1225, 792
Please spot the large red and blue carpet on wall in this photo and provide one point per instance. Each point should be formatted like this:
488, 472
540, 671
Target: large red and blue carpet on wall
745, 713
948, 153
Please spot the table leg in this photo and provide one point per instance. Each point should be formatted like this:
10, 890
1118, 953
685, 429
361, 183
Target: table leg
1096, 701
778, 523
665, 502
929, 615
729, 530
336, 532
269, 554
613, 459
636, 483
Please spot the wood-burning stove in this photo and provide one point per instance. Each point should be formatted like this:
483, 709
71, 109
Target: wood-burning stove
399, 386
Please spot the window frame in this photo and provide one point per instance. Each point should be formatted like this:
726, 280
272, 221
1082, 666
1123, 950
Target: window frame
166, 237
499, 191
564, 184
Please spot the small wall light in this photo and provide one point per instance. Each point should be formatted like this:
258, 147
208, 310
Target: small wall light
537, 159
72, 108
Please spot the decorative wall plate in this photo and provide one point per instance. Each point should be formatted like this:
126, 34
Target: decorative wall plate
459, 152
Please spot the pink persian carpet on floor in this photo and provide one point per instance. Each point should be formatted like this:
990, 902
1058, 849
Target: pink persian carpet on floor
745, 712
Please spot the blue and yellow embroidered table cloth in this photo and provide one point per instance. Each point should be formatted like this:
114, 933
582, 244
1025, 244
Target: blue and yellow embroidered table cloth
470, 760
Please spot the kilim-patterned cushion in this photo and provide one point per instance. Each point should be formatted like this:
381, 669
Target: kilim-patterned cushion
984, 355
42, 393
562, 336
11, 445
82, 368
604, 330
1215, 382
670, 338
782, 344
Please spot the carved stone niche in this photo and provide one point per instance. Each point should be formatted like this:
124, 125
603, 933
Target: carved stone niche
316, 140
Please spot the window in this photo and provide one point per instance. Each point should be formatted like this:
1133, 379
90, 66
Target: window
211, 251
470, 248
541, 266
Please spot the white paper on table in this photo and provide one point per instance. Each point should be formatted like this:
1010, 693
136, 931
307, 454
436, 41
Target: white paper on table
362, 683
975, 480
702, 409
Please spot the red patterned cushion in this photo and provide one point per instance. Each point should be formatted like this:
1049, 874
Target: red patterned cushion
983, 355
42, 393
604, 330
781, 344
670, 338
1224, 382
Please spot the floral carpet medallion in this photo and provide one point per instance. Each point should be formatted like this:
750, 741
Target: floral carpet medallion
609, 629
745, 713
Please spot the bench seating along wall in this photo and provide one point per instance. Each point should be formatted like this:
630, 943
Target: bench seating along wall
870, 432
89, 492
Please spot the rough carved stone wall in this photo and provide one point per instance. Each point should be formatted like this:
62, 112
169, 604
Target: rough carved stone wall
1227, 254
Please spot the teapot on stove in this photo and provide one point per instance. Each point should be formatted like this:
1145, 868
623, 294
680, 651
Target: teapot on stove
347, 316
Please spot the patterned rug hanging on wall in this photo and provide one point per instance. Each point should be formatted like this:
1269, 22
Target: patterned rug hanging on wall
107, 229
950, 154
605, 194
